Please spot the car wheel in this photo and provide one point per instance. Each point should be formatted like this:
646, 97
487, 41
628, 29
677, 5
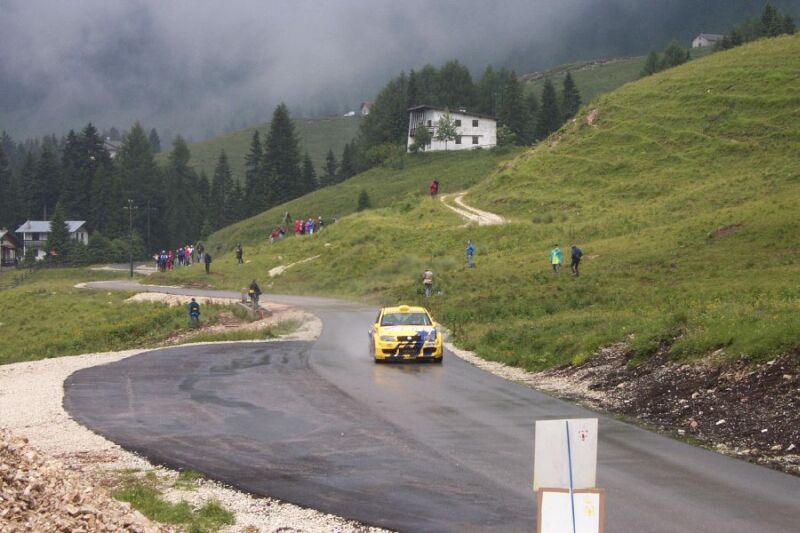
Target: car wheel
438, 360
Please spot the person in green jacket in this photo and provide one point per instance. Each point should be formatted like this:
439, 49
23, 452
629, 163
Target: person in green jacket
555, 258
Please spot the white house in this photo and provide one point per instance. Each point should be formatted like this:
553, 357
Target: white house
366, 107
34, 234
474, 130
706, 39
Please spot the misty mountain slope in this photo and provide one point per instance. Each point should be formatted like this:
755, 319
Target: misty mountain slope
683, 194
597, 77
317, 136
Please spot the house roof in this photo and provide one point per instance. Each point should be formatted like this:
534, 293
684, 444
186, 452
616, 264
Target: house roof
43, 226
7, 236
711, 36
459, 111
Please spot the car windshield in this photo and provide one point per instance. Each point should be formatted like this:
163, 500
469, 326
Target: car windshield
405, 319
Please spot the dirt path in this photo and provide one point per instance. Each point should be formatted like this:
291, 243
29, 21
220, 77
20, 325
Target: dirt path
471, 214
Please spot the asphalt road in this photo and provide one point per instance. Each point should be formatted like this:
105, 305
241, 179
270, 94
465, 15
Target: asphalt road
407, 447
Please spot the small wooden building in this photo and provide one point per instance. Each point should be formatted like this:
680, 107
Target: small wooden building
10, 248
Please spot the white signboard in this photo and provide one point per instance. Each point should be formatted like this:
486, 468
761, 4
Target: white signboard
551, 452
555, 511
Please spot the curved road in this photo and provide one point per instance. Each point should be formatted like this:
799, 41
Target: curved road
406, 447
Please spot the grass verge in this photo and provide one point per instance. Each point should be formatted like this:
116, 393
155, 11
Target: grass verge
48, 317
146, 495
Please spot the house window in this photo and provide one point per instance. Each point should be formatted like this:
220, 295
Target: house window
458, 139
430, 123
474, 139
458, 123
35, 237
475, 123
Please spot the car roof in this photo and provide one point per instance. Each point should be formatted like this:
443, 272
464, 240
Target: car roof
404, 309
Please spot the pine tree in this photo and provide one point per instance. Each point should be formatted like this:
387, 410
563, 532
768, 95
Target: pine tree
182, 202
155, 141
652, 64
309, 181
44, 192
8, 194
75, 189
512, 112
412, 95
139, 179
487, 95
283, 154
363, 201
104, 213
254, 186
58, 239
455, 88
532, 107
347, 166
674, 55
329, 172
220, 196
571, 98
28, 188
771, 21
387, 122
549, 119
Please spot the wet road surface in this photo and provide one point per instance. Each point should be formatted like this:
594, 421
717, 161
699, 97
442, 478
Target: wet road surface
407, 447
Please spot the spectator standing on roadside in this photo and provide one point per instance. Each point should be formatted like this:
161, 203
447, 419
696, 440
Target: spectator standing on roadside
555, 258
427, 282
194, 311
239, 253
576, 254
207, 261
470, 253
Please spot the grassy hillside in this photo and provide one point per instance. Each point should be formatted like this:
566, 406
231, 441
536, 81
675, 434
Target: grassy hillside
684, 194
316, 135
384, 186
594, 78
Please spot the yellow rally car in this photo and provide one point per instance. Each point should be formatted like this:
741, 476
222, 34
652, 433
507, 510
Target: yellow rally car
405, 332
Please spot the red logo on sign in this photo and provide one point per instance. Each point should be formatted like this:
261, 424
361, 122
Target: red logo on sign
583, 434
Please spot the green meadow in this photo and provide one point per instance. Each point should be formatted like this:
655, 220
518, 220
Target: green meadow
48, 317
316, 136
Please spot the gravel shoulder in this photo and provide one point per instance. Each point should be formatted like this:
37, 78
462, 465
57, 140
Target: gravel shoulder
751, 412
31, 396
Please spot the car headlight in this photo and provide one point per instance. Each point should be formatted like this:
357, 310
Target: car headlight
432, 335
388, 338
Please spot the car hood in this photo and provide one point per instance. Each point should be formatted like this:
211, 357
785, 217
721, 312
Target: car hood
403, 331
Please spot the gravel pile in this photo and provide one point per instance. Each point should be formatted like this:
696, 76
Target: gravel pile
43, 494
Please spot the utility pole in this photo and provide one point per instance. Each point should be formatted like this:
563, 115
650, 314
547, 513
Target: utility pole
130, 207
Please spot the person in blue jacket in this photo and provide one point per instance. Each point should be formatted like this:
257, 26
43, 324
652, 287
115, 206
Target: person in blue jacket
555, 258
470, 253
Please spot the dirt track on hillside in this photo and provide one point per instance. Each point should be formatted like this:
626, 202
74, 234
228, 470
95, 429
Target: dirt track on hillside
469, 213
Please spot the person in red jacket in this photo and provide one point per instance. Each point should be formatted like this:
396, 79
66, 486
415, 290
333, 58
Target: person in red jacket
434, 188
